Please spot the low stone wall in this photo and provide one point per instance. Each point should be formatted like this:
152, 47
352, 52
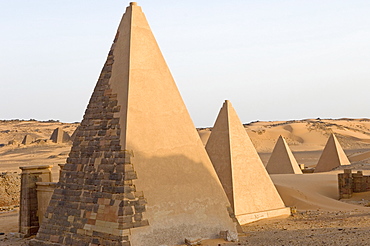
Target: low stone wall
349, 183
10, 184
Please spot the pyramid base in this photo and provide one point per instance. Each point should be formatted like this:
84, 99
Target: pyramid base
248, 218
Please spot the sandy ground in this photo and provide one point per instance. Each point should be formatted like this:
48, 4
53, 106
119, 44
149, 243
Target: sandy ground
311, 228
321, 219
9, 226
39, 153
302, 228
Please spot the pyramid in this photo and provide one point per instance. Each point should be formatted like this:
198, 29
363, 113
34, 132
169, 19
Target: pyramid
282, 160
73, 136
59, 136
27, 140
248, 186
137, 173
332, 156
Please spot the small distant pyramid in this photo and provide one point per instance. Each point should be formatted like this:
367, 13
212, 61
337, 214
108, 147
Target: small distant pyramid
332, 156
245, 180
282, 160
60, 136
27, 139
137, 173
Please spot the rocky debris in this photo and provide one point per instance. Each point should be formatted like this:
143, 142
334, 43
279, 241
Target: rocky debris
9, 190
13, 239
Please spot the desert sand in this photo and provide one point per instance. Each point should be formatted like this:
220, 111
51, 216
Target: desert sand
320, 218
15, 155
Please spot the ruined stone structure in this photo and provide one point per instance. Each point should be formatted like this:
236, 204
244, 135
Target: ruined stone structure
60, 136
349, 183
44, 192
282, 160
28, 215
245, 180
137, 173
13, 142
27, 139
332, 156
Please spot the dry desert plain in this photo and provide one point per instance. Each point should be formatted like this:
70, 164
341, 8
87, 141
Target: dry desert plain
320, 219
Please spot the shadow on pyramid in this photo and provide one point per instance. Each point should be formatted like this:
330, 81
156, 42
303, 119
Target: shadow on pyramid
282, 160
332, 156
245, 180
27, 140
137, 173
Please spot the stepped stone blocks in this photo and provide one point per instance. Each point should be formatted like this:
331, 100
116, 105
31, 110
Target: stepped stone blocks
73, 136
332, 156
60, 136
282, 160
27, 140
28, 216
245, 180
349, 183
137, 173
345, 184
61, 166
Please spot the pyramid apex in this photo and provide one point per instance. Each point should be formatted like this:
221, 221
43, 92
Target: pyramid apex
133, 3
227, 103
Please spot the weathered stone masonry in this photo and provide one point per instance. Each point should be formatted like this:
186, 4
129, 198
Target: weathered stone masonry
95, 202
137, 109
349, 183
28, 211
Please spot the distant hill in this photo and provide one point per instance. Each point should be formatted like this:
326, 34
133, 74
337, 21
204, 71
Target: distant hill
40, 152
17, 129
306, 138
308, 134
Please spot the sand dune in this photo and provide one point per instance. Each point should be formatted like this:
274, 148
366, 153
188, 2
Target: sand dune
306, 138
17, 129
359, 157
308, 135
312, 192
39, 153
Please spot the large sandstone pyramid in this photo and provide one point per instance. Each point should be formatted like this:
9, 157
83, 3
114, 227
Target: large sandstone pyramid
332, 156
137, 173
245, 180
282, 160
59, 136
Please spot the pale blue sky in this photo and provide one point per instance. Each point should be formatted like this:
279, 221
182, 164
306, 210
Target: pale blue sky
274, 60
